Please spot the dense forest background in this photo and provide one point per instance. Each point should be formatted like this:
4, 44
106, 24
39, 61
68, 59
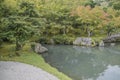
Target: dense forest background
60, 21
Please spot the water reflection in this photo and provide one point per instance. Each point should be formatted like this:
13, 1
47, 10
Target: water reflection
84, 63
111, 73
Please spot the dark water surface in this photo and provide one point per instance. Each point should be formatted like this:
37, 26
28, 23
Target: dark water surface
85, 63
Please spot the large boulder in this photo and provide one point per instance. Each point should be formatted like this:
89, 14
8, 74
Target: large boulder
82, 41
38, 48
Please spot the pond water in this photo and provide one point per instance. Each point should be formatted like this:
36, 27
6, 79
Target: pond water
85, 63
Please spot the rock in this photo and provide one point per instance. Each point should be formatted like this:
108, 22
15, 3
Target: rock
101, 44
38, 48
112, 38
52, 41
84, 41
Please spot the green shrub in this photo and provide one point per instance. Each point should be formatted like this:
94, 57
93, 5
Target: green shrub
0, 42
44, 40
63, 39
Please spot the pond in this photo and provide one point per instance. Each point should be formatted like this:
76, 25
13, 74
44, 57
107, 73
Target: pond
85, 63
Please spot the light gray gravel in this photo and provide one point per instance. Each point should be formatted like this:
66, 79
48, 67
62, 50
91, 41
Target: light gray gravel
20, 71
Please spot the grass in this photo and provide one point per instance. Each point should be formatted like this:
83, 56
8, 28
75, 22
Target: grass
29, 57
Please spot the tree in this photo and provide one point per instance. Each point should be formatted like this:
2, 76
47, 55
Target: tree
109, 28
116, 5
89, 18
20, 23
90, 3
111, 22
1, 27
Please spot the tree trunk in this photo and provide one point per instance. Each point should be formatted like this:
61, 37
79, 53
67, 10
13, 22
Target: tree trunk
89, 33
109, 33
18, 47
64, 30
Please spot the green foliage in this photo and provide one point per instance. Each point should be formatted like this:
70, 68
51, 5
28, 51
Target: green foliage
20, 22
90, 3
44, 40
42, 20
116, 5
59, 20
109, 28
63, 39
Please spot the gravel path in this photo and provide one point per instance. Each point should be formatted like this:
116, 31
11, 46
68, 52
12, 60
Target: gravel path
20, 71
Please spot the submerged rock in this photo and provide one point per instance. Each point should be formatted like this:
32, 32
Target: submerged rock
84, 41
112, 44
38, 48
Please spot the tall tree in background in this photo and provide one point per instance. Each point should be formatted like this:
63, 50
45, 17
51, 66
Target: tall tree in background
89, 18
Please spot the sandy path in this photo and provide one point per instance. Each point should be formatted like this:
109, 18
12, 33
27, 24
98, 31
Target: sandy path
20, 71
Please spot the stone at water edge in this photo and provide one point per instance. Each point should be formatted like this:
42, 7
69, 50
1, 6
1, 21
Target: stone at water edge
52, 41
112, 38
101, 44
38, 48
82, 41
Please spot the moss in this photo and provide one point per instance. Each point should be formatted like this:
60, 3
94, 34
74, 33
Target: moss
27, 56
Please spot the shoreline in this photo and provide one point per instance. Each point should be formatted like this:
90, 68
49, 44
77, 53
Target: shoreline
21, 71
28, 57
